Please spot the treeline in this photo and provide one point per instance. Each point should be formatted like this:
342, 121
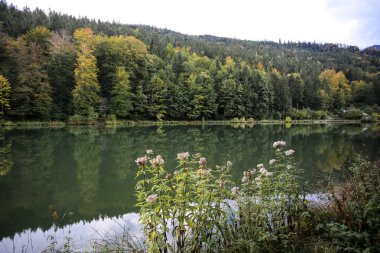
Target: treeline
55, 66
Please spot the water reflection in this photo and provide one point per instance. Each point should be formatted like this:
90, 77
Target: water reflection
90, 171
84, 234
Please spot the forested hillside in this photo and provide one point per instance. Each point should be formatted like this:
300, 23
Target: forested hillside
55, 66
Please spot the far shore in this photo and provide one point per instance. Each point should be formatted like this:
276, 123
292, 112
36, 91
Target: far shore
11, 124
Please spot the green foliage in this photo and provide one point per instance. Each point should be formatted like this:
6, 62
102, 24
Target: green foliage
5, 92
61, 74
306, 114
31, 95
352, 113
271, 206
288, 119
189, 204
351, 221
52, 77
193, 205
91, 117
120, 102
156, 97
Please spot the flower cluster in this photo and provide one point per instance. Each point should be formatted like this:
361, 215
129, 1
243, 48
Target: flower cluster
183, 156
272, 161
235, 191
151, 199
247, 176
263, 170
289, 152
157, 161
204, 172
202, 161
149, 152
140, 161
279, 144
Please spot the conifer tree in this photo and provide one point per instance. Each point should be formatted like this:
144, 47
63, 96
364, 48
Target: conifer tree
120, 101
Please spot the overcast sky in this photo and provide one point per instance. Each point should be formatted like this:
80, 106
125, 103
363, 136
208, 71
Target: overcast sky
352, 22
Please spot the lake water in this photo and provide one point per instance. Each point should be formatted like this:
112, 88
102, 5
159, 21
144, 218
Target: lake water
47, 173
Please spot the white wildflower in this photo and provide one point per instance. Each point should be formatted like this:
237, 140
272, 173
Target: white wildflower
272, 161
235, 191
151, 199
158, 161
279, 144
141, 160
229, 164
183, 156
289, 152
202, 161
149, 152
263, 170
258, 181
245, 180
289, 167
260, 165
269, 174
203, 172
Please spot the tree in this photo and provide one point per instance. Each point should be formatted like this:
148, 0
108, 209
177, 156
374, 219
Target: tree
86, 90
120, 101
337, 86
297, 87
5, 91
156, 94
203, 97
31, 96
281, 95
61, 74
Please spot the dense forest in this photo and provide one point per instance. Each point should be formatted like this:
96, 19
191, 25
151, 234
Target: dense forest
58, 67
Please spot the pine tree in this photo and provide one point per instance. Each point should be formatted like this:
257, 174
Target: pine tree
120, 102
156, 94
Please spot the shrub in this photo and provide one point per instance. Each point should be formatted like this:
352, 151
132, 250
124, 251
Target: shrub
190, 204
277, 115
193, 205
235, 120
77, 119
251, 120
352, 113
351, 219
288, 119
320, 115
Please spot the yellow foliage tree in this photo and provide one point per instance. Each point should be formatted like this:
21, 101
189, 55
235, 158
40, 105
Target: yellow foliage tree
5, 91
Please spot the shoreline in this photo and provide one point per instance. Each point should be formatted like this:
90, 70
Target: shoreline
129, 123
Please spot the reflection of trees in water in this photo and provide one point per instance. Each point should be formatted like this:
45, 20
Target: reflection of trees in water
87, 154
6, 161
91, 171
25, 192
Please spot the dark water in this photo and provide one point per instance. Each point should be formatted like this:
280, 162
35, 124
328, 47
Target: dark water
91, 171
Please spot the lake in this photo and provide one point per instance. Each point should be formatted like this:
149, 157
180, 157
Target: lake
47, 173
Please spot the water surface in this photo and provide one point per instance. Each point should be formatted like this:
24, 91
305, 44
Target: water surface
47, 173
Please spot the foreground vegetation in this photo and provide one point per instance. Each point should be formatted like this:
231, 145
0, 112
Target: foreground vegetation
198, 209
58, 67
